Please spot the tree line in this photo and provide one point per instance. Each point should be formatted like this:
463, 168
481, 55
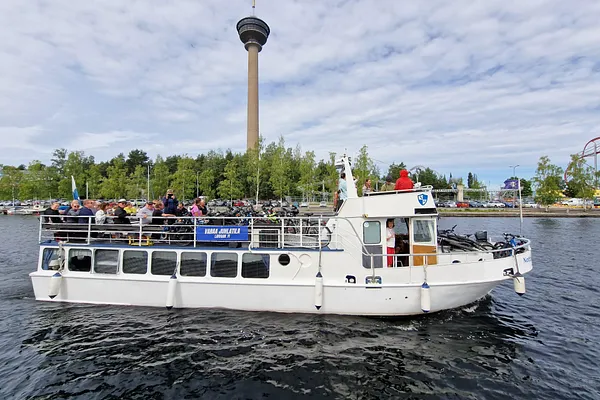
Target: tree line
271, 171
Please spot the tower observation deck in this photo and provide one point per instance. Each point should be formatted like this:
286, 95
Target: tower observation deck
254, 33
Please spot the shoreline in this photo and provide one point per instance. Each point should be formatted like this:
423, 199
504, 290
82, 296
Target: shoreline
552, 212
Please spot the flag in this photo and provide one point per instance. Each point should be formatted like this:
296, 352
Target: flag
511, 184
74, 188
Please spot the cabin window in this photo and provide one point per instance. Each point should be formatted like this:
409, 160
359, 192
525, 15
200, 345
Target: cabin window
423, 231
371, 232
193, 264
135, 262
80, 260
401, 226
106, 261
50, 259
255, 265
223, 265
163, 262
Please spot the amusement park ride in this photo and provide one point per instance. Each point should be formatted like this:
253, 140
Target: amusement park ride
591, 149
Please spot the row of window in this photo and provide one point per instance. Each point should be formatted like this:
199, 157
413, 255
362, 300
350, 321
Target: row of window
106, 261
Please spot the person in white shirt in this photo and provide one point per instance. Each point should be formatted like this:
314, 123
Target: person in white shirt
100, 215
390, 242
145, 213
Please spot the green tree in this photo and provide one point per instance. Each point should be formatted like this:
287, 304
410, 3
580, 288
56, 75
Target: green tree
255, 168
230, 187
547, 182
280, 167
582, 178
137, 182
206, 183
136, 158
394, 171
115, 185
307, 170
159, 178
184, 179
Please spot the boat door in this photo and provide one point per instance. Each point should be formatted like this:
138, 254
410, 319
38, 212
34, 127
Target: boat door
423, 240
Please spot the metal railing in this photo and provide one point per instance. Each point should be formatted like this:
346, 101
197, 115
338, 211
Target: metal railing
266, 232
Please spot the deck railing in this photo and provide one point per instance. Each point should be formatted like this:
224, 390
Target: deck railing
266, 232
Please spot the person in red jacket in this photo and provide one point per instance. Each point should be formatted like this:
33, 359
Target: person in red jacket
404, 182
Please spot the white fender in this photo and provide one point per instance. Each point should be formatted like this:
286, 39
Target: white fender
519, 283
319, 291
425, 298
171, 291
54, 286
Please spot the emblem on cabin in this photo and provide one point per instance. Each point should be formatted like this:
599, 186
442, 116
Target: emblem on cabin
422, 198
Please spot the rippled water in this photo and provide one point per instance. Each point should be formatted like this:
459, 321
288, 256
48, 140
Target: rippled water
543, 345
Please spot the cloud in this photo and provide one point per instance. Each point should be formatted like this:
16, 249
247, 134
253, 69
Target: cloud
461, 86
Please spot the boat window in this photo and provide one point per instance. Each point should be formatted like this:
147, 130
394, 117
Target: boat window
255, 265
193, 264
80, 260
223, 265
50, 259
401, 226
106, 261
371, 232
135, 262
423, 231
163, 262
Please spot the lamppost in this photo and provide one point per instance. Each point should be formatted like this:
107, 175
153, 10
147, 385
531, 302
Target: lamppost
514, 175
197, 193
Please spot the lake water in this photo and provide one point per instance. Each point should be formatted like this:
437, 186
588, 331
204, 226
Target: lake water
543, 345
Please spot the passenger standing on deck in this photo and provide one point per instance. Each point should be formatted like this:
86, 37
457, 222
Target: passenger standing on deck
342, 190
390, 242
367, 187
52, 210
404, 182
101, 213
170, 202
73, 212
145, 213
86, 212
388, 186
120, 213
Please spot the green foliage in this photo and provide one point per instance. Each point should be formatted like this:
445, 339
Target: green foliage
547, 182
582, 178
230, 187
394, 171
280, 167
159, 178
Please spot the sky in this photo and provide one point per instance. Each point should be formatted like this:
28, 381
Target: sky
457, 85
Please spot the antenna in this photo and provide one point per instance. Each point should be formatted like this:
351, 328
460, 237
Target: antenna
253, 6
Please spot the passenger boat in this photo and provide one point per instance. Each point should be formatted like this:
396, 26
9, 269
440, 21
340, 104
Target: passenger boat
322, 264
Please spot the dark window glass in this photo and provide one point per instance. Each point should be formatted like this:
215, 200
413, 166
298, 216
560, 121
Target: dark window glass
223, 265
106, 261
163, 262
135, 262
80, 260
255, 265
193, 264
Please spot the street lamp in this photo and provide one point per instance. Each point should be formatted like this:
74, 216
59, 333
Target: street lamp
514, 175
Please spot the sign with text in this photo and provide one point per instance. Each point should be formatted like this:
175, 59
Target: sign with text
212, 233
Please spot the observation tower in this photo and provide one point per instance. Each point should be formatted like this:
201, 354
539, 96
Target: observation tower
253, 33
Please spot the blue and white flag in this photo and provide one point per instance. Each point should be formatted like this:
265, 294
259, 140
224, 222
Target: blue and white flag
74, 188
511, 184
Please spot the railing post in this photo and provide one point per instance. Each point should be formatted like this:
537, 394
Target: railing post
89, 230
281, 244
195, 226
301, 231
41, 226
140, 235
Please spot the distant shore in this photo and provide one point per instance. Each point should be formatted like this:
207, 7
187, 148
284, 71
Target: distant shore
551, 212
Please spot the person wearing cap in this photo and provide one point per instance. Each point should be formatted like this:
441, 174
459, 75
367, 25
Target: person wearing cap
120, 213
388, 186
145, 213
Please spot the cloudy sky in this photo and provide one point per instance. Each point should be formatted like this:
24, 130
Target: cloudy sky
456, 85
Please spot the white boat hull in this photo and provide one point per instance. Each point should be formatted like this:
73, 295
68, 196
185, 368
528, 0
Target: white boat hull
389, 299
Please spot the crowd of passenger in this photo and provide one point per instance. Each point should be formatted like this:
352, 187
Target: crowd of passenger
157, 212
